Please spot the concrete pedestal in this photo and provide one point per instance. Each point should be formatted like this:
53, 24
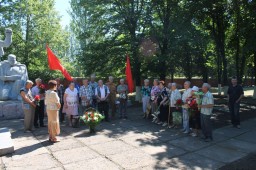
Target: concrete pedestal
6, 143
11, 109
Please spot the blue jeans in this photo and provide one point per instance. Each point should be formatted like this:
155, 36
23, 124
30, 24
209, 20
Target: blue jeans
185, 117
234, 112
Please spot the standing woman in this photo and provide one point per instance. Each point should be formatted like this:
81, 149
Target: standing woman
122, 90
163, 103
71, 102
145, 91
154, 93
52, 102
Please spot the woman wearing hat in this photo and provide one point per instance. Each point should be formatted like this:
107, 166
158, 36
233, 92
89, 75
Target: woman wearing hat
195, 113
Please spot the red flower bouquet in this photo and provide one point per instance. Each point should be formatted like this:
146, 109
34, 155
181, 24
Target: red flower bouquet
179, 103
37, 100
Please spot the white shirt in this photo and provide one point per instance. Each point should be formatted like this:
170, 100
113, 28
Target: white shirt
175, 95
207, 99
71, 96
186, 94
102, 91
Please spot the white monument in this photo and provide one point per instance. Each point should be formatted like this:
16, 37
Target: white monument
13, 76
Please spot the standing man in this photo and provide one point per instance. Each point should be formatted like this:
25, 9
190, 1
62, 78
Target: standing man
185, 113
235, 94
28, 106
206, 112
39, 89
102, 93
60, 92
112, 96
85, 93
94, 85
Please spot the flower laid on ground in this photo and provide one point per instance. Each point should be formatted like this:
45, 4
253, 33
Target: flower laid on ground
41, 89
37, 100
179, 103
92, 118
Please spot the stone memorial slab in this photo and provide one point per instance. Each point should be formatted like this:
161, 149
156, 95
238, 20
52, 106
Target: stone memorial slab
6, 144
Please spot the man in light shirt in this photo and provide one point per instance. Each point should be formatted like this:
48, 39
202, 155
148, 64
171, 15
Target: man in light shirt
39, 111
206, 112
185, 113
102, 93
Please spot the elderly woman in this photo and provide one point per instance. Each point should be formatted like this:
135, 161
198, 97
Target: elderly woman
163, 102
185, 114
71, 102
52, 102
145, 92
122, 90
28, 106
195, 113
153, 95
174, 97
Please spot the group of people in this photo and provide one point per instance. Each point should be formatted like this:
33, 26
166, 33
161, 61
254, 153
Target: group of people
71, 101
75, 99
162, 103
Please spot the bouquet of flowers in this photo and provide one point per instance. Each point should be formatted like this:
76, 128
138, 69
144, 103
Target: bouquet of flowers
199, 97
41, 89
92, 118
179, 103
37, 100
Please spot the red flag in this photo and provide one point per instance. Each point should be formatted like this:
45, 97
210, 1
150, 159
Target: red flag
128, 73
54, 64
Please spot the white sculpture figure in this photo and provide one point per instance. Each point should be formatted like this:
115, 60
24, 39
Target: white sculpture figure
13, 76
7, 42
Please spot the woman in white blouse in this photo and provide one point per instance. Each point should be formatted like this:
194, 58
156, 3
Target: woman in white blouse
71, 101
52, 102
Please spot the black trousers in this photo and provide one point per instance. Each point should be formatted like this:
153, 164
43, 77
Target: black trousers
39, 114
164, 112
103, 108
234, 112
61, 114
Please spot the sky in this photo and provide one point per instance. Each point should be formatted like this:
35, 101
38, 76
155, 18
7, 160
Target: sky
62, 6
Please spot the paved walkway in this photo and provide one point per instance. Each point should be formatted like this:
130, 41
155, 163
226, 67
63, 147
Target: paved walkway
126, 144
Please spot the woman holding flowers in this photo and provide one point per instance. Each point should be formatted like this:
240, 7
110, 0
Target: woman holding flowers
71, 102
52, 102
194, 112
174, 97
145, 91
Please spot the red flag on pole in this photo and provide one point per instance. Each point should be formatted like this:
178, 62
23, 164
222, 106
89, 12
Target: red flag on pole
128, 73
54, 64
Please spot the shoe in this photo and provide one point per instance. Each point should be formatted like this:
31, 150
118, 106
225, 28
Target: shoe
208, 139
154, 120
238, 127
159, 123
165, 124
193, 134
27, 131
